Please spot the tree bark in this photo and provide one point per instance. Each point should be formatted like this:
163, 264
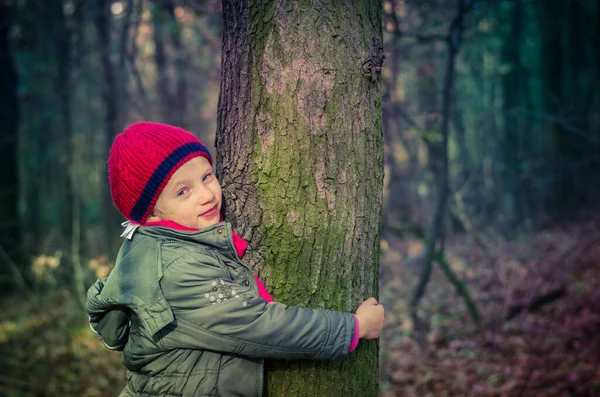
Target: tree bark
300, 158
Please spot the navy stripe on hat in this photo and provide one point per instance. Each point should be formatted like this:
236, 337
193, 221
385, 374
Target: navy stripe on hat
159, 175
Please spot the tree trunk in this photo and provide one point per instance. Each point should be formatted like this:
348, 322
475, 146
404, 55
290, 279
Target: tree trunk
102, 23
596, 42
160, 58
427, 86
551, 18
300, 159
512, 102
62, 43
10, 235
400, 174
171, 82
180, 67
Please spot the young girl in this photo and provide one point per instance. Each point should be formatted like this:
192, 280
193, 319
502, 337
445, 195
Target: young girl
188, 314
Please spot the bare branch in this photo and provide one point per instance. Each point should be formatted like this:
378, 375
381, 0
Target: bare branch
536, 302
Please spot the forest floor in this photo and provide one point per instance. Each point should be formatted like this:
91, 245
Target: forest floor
552, 349
47, 348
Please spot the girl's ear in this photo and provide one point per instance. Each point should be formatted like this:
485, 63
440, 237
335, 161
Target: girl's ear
154, 216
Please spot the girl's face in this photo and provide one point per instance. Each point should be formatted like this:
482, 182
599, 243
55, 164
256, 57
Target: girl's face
192, 197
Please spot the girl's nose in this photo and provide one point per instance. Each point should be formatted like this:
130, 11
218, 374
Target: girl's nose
205, 195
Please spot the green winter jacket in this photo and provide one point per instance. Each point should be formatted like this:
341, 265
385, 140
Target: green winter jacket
195, 324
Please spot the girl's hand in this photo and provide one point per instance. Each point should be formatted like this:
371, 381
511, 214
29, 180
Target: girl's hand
370, 315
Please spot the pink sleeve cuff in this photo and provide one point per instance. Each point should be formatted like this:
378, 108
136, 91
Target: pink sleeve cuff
262, 291
354, 342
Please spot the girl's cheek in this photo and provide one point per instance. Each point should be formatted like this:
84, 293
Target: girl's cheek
216, 186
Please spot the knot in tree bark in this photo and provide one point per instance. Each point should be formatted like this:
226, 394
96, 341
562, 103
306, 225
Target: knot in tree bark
372, 65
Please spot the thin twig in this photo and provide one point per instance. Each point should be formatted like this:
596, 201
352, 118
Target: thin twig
569, 127
535, 302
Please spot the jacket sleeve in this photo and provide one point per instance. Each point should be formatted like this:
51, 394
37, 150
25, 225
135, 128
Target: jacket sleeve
111, 323
216, 313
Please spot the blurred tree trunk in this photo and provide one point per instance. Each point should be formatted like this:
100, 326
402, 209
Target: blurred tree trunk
142, 104
172, 95
62, 43
180, 67
123, 95
595, 117
160, 58
10, 235
44, 51
300, 157
552, 15
581, 87
102, 22
45, 63
512, 81
427, 86
397, 202
596, 43
463, 163
427, 97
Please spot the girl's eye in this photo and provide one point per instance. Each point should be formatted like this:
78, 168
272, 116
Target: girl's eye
182, 192
208, 177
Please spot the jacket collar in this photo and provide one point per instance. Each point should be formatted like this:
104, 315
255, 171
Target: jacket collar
220, 235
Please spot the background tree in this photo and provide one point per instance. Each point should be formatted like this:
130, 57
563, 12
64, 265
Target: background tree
9, 114
113, 101
300, 159
172, 101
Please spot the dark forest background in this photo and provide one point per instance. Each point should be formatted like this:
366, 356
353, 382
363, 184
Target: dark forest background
490, 245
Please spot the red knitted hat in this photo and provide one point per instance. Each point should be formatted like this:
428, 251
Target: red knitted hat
142, 160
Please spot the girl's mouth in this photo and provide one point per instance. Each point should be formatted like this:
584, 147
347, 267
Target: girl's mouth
210, 213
